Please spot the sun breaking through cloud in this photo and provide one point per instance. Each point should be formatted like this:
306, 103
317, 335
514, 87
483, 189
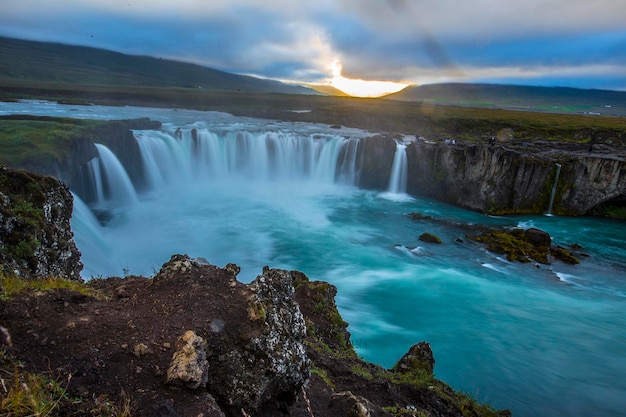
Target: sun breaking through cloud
362, 88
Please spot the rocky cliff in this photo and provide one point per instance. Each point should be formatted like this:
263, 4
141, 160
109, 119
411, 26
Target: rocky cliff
195, 341
506, 177
509, 176
35, 235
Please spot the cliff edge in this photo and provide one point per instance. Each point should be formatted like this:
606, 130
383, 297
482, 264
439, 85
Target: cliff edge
195, 341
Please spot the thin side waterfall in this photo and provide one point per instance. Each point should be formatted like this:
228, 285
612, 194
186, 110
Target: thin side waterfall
117, 186
554, 185
397, 180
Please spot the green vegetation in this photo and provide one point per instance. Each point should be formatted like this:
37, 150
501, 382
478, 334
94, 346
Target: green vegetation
423, 380
526, 98
11, 285
612, 210
27, 394
324, 375
39, 142
39, 61
415, 118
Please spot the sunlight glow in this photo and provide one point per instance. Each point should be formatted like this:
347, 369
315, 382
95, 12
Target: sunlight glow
362, 88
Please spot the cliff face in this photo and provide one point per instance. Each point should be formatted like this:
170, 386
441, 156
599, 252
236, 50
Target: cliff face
591, 181
482, 178
502, 179
35, 235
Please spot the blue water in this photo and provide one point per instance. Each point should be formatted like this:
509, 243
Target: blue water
541, 341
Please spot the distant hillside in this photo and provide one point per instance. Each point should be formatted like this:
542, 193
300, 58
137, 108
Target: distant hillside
548, 99
23, 60
329, 90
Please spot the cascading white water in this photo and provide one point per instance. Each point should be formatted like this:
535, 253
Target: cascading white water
397, 180
118, 188
261, 157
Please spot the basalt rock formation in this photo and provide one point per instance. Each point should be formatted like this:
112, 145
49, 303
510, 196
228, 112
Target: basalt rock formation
505, 177
35, 235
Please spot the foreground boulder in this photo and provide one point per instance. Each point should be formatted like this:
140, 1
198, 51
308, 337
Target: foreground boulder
35, 235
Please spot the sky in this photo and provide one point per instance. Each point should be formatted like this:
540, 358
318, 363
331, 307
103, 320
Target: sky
361, 46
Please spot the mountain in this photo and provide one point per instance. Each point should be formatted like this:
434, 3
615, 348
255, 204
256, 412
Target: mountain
30, 61
548, 99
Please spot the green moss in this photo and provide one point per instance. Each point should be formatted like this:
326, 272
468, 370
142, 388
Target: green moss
324, 375
512, 243
408, 411
418, 377
362, 371
256, 311
430, 238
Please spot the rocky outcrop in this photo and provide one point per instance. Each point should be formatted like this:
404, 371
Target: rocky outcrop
195, 341
35, 235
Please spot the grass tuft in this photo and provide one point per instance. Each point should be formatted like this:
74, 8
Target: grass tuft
11, 285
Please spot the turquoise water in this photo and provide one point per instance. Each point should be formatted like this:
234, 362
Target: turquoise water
541, 341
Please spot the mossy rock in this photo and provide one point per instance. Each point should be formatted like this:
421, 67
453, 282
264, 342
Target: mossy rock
524, 245
564, 255
430, 238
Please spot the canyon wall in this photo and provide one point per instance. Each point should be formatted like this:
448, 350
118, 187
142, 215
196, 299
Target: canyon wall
501, 179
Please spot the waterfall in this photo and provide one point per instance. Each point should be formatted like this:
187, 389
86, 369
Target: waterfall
267, 156
554, 185
117, 188
397, 180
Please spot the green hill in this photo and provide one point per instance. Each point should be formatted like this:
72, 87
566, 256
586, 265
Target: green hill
29, 61
541, 99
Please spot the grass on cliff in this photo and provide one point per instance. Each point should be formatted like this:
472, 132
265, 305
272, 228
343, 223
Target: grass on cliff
11, 285
31, 142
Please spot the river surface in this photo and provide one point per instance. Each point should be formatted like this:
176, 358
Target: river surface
539, 340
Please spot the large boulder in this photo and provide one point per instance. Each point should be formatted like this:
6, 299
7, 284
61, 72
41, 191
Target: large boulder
271, 365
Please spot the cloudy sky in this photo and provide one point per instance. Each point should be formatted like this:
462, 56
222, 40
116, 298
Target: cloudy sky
578, 43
